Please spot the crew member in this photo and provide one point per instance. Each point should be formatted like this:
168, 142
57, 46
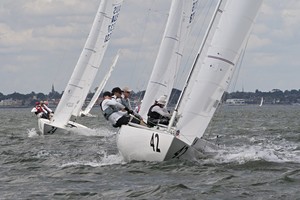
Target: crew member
158, 114
114, 111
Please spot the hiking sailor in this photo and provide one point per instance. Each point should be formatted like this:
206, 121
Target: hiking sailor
48, 111
158, 114
39, 111
126, 101
115, 112
117, 94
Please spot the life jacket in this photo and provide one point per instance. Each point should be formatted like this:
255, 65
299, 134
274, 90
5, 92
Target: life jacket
125, 103
109, 110
155, 118
154, 115
39, 109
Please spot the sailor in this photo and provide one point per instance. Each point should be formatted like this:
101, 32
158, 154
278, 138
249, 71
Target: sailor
125, 97
48, 111
114, 111
126, 101
117, 94
138, 107
158, 114
39, 111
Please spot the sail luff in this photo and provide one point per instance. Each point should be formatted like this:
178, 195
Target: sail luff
101, 86
217, 67
88, 62
170, 53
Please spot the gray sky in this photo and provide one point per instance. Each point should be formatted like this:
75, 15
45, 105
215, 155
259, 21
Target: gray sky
41, 40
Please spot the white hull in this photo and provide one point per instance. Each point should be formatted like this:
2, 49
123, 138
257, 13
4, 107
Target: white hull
149, 144
46, 128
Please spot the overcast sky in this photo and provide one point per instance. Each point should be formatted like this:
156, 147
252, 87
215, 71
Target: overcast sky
41, 40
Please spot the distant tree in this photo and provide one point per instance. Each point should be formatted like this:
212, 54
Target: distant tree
41, 96
16, 96
90, 95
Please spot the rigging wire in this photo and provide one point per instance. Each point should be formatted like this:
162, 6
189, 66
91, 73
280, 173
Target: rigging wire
140, 71
239, 66
199, 22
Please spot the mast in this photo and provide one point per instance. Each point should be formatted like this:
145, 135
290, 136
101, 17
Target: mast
194, 65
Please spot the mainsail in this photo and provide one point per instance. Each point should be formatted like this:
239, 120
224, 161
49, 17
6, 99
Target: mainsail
88, 62
215, 71
170, 52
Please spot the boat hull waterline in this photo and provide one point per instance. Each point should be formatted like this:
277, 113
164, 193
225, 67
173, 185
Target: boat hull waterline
47, 128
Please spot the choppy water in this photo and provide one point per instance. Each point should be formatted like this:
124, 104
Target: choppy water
258, 158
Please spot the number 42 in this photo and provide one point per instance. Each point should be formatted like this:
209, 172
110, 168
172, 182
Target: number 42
155, 137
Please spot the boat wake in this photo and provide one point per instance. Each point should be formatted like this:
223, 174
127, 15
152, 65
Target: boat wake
32, 133
107, 160
103, 131
277, 153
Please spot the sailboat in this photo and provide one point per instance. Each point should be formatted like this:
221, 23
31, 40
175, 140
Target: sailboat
261, 102
86, 111
209, 78
85, 71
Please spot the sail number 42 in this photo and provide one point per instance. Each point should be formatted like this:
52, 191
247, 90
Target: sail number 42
154, 142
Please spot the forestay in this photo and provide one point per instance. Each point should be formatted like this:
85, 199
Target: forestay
170, 52
215, 71
101, 86
88, 63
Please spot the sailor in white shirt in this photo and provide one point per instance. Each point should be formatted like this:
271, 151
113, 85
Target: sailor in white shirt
114, 111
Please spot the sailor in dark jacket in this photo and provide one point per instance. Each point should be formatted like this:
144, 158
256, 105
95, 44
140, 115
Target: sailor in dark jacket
158, 114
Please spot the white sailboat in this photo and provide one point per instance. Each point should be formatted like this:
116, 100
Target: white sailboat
210, 76
86, 111
261, 102
85, 70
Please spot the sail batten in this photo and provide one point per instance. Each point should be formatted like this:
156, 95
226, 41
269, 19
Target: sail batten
222, 59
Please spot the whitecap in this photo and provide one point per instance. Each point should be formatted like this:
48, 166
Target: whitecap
107, 160
32, 133
269, 152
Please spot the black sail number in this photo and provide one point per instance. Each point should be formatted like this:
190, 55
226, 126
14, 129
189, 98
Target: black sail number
52, 130
154, 142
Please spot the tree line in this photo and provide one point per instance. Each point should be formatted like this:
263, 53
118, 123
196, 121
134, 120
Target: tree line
275, 96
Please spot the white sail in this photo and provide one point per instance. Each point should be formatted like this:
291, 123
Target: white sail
216, 69
88, 63
101, 86
261, 101
170, 52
